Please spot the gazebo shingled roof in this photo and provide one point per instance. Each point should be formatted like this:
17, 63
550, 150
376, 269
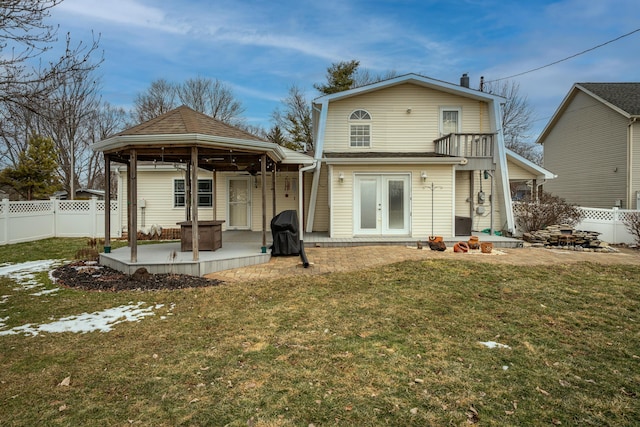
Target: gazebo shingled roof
184, 120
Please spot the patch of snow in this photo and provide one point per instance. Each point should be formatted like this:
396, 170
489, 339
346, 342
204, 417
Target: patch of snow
24, 273
493, 344
2, 320
45, 292
102, 321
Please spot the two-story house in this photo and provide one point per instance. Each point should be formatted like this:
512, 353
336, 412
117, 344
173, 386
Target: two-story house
410, 156
407, 158
592, 143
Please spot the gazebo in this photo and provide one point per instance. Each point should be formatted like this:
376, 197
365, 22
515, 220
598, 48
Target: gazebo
197, 141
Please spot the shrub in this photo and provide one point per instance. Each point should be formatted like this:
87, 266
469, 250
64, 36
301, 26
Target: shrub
632, 222
547, 210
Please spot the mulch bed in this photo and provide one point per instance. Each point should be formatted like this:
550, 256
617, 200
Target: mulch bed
93, 277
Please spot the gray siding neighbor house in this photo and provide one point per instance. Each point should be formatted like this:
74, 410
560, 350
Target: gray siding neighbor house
592, 143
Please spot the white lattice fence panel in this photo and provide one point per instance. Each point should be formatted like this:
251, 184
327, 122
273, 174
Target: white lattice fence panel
598, 214
30, 207
74, 206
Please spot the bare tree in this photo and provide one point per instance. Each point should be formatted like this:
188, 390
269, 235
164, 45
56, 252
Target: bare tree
67, 119
517, 117
295, 121
159, 98
363, 77
25, 36
211, 97
106, 122
205, 95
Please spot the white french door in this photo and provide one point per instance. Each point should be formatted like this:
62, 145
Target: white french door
381, 204
239, 203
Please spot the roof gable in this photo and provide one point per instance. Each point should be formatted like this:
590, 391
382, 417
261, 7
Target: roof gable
413, 79
621, 97
625, 96
184, 120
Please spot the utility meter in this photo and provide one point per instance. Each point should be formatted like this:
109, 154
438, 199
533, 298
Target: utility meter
481, 197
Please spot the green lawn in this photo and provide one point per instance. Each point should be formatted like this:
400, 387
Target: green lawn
397, 345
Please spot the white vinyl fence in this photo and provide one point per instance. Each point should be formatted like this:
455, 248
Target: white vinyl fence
41, 219
608, 222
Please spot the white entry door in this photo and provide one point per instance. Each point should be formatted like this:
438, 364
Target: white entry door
381, 205
239, 203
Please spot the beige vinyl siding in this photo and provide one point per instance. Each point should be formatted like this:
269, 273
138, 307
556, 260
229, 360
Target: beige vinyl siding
517, 173
635, 161
285, 199
463, 192
483, 221
321, 217
442, 176
392, 128
156, 188
587, 149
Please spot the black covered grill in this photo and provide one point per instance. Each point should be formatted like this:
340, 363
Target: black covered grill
285, 233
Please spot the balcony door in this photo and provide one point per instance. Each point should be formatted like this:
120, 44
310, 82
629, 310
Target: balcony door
381, 205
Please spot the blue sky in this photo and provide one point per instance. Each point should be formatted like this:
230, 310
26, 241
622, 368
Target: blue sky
260, 48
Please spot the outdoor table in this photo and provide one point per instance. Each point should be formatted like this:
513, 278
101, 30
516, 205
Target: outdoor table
209, 235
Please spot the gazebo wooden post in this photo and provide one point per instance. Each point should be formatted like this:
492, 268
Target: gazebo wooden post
273, 189
133, 203
187, 193
263, 172
194, 203
107, 203
128, 204
214, 204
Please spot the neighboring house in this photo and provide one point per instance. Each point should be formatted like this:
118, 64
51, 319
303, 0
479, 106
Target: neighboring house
411, 156
592, 143
406, 157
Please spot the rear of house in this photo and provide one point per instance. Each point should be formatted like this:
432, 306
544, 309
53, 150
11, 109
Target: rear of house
410, 156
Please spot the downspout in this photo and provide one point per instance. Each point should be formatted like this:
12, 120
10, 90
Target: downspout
500, 158
317, 165
630, 163
303, 255
301, 193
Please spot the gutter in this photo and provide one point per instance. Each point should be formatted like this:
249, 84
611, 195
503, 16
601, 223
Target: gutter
318, 164
301, 193
632, 120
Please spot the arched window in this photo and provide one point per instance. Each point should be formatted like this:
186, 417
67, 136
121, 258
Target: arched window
360, 129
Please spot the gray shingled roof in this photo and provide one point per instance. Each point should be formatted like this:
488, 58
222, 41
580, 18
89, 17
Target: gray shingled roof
625, 96
184, 120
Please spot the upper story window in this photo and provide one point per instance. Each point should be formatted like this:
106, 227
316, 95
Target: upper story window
205, 193
360, 129
449, 120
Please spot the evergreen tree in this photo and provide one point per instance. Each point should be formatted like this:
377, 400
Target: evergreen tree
340, 77
35, 175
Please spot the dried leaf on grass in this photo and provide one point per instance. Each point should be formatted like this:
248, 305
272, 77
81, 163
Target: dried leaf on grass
65, 382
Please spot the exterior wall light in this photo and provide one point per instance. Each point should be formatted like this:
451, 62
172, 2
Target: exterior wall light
423, 175
341, 177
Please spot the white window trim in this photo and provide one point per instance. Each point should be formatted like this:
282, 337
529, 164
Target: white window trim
361, 122
173, 189
441, 118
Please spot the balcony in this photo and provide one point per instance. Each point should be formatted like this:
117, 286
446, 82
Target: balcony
469, 145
